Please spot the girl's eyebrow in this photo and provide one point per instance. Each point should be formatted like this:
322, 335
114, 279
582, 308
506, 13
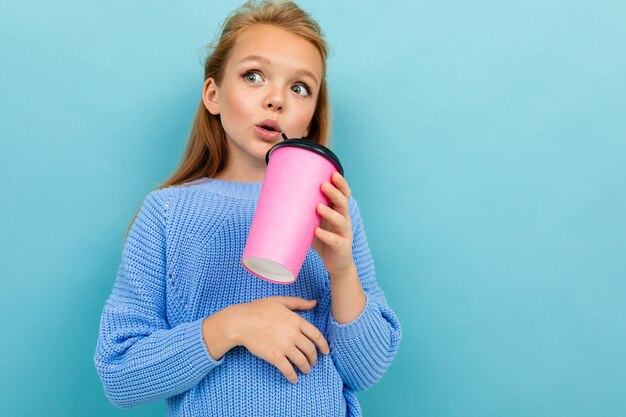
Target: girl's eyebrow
255, 58
266, 61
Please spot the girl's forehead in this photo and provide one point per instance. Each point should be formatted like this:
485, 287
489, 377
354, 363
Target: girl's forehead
277, 46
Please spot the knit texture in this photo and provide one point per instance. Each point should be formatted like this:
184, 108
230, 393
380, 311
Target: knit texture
181, 263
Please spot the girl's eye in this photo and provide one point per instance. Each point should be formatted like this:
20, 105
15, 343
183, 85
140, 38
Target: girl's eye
300, 89
253, 76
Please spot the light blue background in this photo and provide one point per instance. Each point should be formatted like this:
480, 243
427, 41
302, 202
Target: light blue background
485, 142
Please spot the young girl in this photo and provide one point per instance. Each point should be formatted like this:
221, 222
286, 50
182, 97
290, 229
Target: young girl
185, 321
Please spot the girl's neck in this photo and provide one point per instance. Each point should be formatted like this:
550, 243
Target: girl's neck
233, 174
241, 165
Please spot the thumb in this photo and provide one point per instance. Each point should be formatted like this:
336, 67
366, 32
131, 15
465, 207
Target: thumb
295, 303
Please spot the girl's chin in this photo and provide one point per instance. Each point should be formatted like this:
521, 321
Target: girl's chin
256, 148
259, 152
261, 148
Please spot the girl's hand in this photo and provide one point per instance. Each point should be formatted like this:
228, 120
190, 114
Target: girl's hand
333, 239
270, 330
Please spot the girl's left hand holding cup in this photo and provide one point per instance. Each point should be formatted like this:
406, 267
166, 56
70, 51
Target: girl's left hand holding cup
333, 238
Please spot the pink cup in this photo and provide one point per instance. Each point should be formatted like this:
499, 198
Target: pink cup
285, 219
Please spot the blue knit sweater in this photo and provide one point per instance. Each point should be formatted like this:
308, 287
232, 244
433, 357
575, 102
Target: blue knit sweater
180, 264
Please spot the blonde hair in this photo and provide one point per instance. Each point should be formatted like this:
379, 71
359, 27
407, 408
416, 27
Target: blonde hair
207, 153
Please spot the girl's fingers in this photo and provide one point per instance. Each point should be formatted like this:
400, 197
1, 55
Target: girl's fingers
307, 347
335, 219
341, 183
339, 200
327, 237
297, 358
286, 369
314, 335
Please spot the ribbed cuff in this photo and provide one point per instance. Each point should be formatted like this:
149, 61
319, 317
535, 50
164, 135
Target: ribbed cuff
356, 327
198, 358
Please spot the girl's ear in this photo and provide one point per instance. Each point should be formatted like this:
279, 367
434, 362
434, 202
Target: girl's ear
210, 97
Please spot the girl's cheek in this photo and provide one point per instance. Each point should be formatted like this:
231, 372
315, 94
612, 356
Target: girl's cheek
307, 118
239, 106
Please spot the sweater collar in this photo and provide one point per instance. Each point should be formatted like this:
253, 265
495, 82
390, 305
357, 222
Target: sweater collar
242, 190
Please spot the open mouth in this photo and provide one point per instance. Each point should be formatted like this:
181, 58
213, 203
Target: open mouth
268, 130
270, 126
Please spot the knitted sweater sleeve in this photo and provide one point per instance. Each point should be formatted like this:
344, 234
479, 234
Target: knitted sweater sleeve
139, 357
364, 348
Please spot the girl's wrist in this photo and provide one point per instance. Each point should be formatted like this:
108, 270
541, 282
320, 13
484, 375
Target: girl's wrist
348, 270
348, 296
219, 334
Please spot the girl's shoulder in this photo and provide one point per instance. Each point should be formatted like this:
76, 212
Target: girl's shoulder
203, 197
164, 199
170, 191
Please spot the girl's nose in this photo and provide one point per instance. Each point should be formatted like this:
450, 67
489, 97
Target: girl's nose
274, 100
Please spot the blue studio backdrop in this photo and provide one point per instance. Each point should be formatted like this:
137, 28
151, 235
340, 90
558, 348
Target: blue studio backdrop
485, 142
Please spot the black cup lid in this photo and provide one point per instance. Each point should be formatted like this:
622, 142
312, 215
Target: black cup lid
311, 146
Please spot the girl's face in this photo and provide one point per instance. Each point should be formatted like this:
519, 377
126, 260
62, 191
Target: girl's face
270, 85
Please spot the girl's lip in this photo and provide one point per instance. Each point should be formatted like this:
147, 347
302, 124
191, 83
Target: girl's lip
271, 124
269, 135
